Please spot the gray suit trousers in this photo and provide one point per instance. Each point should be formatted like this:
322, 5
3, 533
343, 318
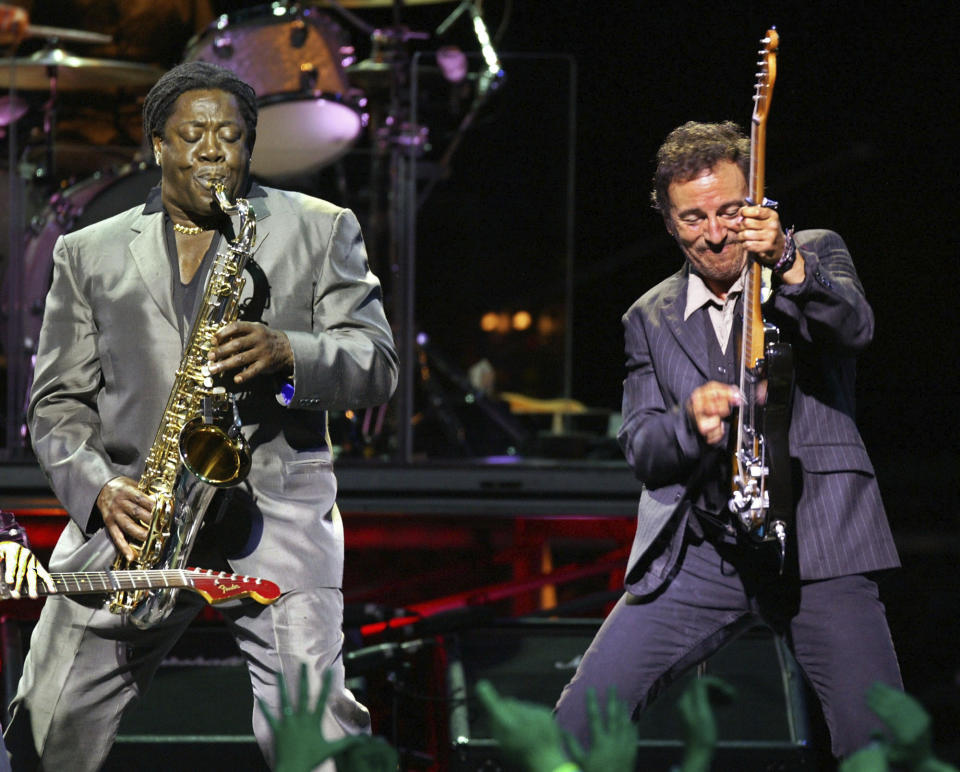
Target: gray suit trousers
86, 666
836, 628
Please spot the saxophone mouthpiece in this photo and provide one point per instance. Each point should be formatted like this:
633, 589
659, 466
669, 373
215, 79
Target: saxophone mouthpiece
220, 196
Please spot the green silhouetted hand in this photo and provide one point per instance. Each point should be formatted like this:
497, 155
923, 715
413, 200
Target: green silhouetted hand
871, 758
527, 733
909, 729
298, 741
371, 754
699, 725
614, 737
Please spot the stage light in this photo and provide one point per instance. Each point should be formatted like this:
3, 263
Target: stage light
522, 320
489, 321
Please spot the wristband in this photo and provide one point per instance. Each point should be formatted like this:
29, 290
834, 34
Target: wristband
789, 256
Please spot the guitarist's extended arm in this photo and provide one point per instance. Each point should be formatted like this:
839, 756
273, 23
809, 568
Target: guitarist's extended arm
660, 443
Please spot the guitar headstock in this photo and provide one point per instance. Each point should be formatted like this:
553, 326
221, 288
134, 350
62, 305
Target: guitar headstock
766, 76
217, 586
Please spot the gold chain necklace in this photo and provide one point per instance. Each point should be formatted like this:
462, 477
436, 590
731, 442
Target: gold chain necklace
187, 230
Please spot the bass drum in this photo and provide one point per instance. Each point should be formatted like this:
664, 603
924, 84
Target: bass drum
293, 59
103, 195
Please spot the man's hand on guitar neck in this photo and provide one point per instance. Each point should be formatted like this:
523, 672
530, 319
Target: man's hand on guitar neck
762, 234
708, 405
19, 565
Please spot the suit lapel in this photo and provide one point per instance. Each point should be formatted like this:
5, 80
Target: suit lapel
150, 256
689, 333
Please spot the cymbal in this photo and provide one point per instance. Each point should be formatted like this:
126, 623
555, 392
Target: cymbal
74, 73
354, 4
72, 35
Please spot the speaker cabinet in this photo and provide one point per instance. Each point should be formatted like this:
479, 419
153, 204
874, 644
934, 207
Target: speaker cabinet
196, 713
766, 727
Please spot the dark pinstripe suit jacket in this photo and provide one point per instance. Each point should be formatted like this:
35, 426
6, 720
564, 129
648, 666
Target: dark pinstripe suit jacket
841, 526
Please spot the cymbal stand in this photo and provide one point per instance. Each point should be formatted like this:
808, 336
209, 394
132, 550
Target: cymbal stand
408, 203
16, 374
399, 141
19, 351
490, 79
50, 119
407, 143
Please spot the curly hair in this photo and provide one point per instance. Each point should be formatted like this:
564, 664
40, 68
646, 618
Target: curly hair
193, 76
693, 148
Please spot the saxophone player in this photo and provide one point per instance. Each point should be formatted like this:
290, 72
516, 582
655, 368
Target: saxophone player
117, 319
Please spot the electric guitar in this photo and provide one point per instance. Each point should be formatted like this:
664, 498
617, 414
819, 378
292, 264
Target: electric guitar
762, 501
214, 586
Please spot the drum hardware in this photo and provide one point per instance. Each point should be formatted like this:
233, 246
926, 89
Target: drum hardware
12, 108
364, 4
25, 289
398, 139
50, 69
294, 58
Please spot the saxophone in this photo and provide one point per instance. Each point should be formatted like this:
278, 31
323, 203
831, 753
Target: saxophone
198, 447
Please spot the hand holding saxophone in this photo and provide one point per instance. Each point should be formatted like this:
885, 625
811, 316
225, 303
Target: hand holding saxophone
251, 348
124, 509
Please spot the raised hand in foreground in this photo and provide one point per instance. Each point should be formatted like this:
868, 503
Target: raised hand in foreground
527, 733
699, 725
614, 737
299, 744
909, 737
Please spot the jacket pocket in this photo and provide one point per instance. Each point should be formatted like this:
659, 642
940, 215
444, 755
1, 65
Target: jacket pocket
309, 478
840, 457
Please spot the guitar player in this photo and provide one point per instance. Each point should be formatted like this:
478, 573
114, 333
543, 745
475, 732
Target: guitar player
693, 581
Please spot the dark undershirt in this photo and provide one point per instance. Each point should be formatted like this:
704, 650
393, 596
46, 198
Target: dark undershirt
186, 296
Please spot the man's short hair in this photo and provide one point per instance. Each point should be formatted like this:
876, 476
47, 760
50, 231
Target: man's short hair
193, 76
692, 149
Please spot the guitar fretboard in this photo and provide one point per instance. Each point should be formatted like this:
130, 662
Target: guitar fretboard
110, 581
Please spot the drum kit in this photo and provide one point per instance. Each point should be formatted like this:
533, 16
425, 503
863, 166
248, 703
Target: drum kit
317, 101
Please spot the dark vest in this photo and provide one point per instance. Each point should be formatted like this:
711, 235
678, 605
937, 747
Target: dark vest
714, 488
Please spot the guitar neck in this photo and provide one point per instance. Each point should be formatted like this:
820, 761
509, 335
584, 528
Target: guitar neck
752, 333
752, 353
86, 582
214, 586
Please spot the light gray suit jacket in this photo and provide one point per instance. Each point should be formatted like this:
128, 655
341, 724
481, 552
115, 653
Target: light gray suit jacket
110, 345
841, 527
